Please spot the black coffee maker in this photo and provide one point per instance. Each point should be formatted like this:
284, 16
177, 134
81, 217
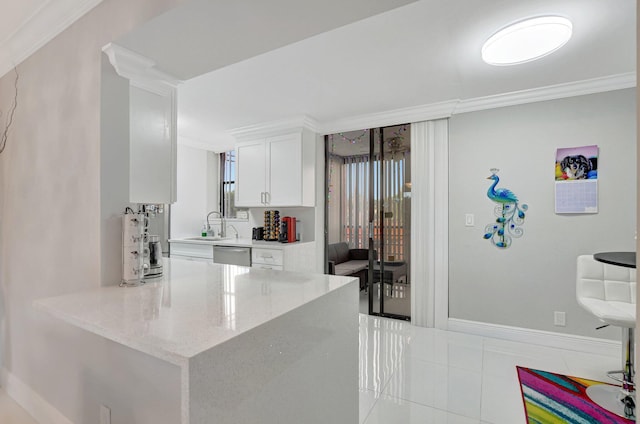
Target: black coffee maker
283, 237
257, 233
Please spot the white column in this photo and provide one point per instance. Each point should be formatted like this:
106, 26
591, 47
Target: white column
429, 223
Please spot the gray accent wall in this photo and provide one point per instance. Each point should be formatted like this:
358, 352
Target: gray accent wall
523, 285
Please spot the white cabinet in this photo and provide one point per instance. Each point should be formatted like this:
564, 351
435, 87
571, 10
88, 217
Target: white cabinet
251, 171
288, 257
152, 126
276, 171
152, 164
267, 258
192, 251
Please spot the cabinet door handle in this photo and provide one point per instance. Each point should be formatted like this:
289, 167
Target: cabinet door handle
262, 197
267, 197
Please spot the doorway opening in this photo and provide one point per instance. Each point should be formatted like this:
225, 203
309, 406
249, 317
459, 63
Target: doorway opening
368, 215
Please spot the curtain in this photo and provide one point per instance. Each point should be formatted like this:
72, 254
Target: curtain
429, 237
355, 201
397, 207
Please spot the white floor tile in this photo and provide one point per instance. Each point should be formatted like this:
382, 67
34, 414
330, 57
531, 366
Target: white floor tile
388, 410
502, 363
419, 375
446, 348
368, 398
11, 412
382, 346
591, 366
502, 400
452, 389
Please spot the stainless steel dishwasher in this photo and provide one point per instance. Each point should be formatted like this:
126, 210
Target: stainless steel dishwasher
232, 255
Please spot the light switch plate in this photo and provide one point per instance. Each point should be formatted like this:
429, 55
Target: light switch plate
469, 220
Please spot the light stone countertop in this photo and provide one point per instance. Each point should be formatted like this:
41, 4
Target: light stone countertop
239, 242
192, 308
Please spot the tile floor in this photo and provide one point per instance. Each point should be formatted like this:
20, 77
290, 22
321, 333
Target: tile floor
11, 412
414, 375
397, 300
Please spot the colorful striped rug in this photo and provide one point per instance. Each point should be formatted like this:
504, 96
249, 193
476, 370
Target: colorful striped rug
558, 399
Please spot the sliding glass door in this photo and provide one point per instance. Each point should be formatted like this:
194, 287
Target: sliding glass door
368, 214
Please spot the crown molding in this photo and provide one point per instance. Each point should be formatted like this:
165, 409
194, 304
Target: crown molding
140, 70
551, 92
267, 129
427, 112
47, 22
441, 110
451, 107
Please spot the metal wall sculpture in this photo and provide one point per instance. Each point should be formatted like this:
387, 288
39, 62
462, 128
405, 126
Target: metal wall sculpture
509, 212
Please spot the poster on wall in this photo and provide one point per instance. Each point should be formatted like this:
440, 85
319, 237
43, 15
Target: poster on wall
577, 179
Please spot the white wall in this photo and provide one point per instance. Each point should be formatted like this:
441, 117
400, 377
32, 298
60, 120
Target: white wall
522, 285
305, 218
198, 175
189, 212
52, 166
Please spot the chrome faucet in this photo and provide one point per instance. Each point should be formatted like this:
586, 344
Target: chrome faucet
223, 230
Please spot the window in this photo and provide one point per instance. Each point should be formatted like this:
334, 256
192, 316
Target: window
355, 203
228, 184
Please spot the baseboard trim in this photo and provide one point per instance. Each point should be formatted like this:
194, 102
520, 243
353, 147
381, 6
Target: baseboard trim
41, 410
539, 337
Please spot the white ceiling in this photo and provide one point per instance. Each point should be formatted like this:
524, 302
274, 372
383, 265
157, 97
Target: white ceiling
15, 14
280, 59
27, 25
421, 53
203, 35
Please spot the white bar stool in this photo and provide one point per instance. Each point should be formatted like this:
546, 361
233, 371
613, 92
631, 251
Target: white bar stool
609, 292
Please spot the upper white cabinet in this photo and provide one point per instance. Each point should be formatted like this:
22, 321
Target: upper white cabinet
152, 148
276, 171
251, 173
152, 127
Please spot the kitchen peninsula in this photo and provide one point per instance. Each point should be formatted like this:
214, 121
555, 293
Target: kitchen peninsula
251, 345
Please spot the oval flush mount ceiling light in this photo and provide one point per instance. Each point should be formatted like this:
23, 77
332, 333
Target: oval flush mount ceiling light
527, 40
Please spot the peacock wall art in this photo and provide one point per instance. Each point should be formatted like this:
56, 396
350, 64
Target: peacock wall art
509, 212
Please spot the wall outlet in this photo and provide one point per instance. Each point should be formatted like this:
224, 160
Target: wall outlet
559, 319
105, 415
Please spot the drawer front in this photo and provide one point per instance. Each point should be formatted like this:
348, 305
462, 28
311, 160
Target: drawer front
267, 256
265, 266
191, 258
204, 251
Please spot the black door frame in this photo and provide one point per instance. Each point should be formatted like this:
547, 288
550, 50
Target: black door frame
371, 223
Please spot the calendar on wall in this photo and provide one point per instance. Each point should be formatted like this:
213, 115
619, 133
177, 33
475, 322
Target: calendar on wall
576, 179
